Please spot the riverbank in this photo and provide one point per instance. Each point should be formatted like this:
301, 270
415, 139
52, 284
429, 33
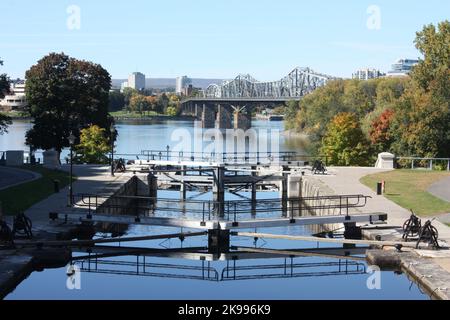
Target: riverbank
15, 116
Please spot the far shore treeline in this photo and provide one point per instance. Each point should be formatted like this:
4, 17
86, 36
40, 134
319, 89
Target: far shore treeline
351, 121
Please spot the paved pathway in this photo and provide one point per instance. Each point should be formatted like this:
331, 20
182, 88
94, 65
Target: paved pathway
10, 177
441, 189
90, 180
346, 181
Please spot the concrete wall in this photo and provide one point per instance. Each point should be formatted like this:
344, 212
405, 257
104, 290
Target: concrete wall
311, 187
133, 187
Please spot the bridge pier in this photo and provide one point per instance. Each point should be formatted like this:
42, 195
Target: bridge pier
242, 119
208, 116
198, 111
223, 120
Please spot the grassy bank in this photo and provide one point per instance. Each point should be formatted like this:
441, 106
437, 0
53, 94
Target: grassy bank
19, 198
134, 115
408, 188
17, 115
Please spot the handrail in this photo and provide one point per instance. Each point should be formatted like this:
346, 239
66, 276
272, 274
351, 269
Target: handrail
229, 210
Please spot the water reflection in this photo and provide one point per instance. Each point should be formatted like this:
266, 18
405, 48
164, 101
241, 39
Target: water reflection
238, 265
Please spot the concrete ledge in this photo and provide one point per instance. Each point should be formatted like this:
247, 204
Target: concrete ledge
425, 271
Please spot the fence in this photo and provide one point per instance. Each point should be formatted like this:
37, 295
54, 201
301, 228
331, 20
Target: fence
423, 163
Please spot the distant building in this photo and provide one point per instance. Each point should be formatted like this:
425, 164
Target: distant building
182, 83
189, 90
367, 74
15, 100
402, 67
123, 85
136, 81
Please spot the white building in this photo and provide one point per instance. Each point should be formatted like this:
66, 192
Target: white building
402, 67
16, 98
367, 74
136, 80
182, 83
123, 85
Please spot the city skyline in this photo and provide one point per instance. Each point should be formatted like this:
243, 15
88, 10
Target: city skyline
216, 42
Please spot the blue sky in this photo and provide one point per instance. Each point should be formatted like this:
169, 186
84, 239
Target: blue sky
217, 38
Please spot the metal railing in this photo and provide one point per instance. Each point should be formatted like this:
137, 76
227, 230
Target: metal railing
417, 162
207, 210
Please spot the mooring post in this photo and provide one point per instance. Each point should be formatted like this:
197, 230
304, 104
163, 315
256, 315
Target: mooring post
183, 185
254, 174
152, 187
219, 189
284, 188
218, 241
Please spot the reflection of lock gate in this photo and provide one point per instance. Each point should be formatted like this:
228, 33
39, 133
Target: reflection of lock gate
287, 269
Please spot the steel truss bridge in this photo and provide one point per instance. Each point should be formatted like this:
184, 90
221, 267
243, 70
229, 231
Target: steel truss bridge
296, 84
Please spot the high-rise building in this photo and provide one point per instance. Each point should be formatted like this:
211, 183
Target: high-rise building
367, 74
402, 67
181, 83
136, 80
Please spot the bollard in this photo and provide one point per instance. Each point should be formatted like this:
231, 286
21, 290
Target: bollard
56, 185
379, 188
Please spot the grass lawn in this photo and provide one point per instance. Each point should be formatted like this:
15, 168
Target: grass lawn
19, 198
408, 188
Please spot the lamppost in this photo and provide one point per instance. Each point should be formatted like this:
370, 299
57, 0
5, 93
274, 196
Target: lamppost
112, 130
71, 142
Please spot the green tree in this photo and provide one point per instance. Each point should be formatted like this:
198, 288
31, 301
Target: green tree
172, 111
344, 143
291, 110
94, 146
139, 103
422, 121
360, 96
65, 95
432, 74
5, 121
128, 93
116, 101
163, 103
421, 125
